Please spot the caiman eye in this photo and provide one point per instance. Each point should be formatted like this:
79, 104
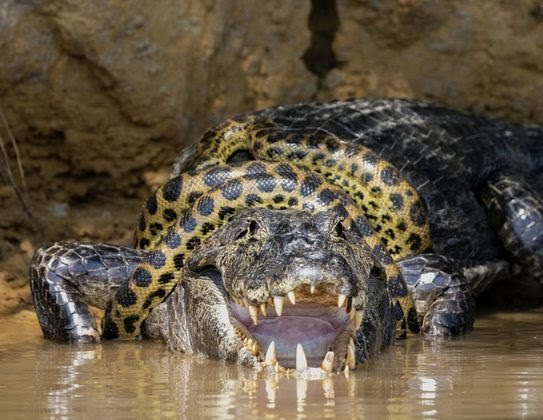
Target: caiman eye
339, 231
253, 227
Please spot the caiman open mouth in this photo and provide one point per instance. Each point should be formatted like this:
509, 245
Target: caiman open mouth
301, 331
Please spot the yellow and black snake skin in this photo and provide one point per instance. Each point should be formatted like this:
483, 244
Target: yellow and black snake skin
311, 173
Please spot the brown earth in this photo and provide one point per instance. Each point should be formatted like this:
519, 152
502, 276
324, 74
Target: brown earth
101, 96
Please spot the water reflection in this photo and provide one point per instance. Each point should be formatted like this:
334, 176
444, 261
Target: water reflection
495, 371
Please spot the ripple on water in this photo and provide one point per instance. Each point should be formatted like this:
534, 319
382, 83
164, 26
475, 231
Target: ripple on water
496, 371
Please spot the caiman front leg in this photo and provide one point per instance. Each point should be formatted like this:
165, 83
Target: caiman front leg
68, 277
515, 211
443, 298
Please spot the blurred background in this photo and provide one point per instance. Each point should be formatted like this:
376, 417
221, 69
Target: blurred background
100, 96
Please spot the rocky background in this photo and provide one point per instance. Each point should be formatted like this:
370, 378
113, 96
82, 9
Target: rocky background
101, 95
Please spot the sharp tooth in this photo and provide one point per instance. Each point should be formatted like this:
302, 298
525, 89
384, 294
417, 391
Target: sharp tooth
270, 355
301, 361
276, 367
291, 297
346, 370
312, 289
254, 348
301, 389
278, 303
351, 360
253, 310
264, 309
358, 319
328, 362
341, 299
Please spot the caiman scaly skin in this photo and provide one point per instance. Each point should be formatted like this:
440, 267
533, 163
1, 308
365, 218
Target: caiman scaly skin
372, 216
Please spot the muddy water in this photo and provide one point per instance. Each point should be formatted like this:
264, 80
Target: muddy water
496, 371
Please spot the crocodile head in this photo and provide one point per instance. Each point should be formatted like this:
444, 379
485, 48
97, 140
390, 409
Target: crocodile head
272, 281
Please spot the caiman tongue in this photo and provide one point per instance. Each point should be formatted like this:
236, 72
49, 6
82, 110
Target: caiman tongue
315, 327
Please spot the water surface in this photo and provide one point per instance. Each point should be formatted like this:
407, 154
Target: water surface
494, 372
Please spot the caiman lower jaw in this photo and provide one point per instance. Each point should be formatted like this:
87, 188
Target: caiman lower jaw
302, 336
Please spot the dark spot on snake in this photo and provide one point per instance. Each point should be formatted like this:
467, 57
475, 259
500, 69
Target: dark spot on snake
330, 163
396, 200
206, 206
255, 169
188, 223
125, 296
169, 215
310, 184
265, 182
402, 226
111, 330
390, 176
157, 259
416, 213
225, 211
273, 151
193, 196
152, 204
292, 201
217, 176
251, 199
385, 218
318, 156
367, 177
374, 205
144, 243
369, 159
129, 323
376, 190
232, 189
327, 196
395, 250
278, 198
354, 168
341, 211
172, 239
159, 293
359, 195
178, 261
166, 278
172, 189
155, 228
207, 227
142, 277
275, 137
193, 243
414, 241
390, 233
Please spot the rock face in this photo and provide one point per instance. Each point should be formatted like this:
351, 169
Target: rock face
478, 55
102, 95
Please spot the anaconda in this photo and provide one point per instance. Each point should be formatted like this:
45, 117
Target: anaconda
369, 215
